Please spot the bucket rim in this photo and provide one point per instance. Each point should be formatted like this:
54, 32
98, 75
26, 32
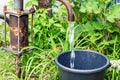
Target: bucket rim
83, 71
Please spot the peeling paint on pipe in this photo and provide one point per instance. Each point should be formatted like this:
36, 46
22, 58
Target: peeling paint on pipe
14, 32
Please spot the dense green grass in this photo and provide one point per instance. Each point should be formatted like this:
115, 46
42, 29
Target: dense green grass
39, 62
7, 66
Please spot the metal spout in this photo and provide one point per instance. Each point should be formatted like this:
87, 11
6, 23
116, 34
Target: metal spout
69, 9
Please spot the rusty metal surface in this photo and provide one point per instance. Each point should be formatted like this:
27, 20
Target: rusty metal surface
18, 34
44, 3
18, 4
14, 31
32, 9
4, 8
5, 29
69, 9
18, 65
16, 52
14, 12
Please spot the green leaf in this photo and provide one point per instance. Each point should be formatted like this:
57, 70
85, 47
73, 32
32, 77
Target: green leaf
97, 25
82, 9
58, 25
112, 30
111, 18
114, 13
95, 37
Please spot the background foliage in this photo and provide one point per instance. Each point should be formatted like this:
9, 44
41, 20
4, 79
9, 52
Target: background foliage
97, 28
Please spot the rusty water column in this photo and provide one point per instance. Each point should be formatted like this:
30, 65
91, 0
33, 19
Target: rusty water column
18, 22
18, 27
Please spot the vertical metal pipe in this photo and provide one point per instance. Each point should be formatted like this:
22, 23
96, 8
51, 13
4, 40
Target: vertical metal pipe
32, 38
18, 4
18, 34
5, 28
18, 66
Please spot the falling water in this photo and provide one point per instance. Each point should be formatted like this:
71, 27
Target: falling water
71, 41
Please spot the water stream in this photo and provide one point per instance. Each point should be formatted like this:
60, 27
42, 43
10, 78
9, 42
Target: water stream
71, 42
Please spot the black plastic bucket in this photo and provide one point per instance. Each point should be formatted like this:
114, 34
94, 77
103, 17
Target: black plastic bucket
89, 65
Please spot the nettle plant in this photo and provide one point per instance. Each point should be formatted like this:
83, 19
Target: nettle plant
99, 21
113, 16
97, 24
48, 31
